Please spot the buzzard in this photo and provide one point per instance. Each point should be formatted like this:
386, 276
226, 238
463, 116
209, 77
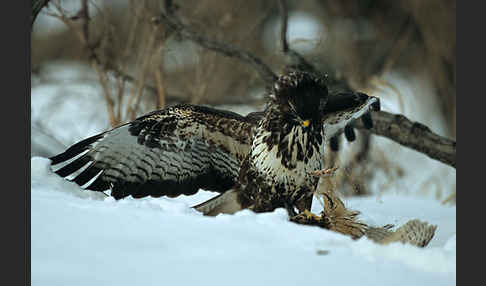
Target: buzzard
260, 161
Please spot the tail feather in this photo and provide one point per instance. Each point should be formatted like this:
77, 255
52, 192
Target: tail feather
226, 203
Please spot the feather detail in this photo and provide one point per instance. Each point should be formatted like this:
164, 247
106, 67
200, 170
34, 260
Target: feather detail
169, 152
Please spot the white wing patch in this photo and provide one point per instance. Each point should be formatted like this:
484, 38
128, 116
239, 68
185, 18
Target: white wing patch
60, 165
335, 125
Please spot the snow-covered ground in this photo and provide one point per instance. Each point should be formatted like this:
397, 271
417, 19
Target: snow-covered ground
85, 238
95, 240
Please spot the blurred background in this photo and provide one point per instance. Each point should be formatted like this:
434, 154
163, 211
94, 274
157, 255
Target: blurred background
402, 51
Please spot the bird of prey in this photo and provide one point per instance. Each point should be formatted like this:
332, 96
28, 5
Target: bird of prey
261, 161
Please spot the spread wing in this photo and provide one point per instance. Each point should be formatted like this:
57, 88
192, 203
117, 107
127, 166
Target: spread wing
173, 151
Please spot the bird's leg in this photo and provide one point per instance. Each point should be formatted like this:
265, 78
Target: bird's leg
308, 218
305, 215
304, 204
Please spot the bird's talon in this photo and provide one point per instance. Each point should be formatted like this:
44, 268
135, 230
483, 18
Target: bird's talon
309, 216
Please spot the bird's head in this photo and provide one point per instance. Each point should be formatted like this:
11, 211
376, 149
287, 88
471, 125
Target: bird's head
301, 98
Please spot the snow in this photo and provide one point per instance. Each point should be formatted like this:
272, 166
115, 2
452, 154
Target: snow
91, 239
85, 238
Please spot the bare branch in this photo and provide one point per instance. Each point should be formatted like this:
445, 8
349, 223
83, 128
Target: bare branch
413, 135
37, 6
171, 20
285, 22
295, 57
84, 15
83, 35
160, 87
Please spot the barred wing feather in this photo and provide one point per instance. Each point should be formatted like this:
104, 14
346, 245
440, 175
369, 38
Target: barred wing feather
173, 151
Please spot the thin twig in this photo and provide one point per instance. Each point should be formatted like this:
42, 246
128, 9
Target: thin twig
144, 62
450, 198
285, 21
298, 60
160, 86
83, 35
173, 22
95, 61
118, 73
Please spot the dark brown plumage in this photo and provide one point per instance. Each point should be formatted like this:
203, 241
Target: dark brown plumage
173, 151
262, 158
288, 145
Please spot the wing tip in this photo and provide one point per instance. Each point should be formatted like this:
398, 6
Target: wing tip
75, 150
